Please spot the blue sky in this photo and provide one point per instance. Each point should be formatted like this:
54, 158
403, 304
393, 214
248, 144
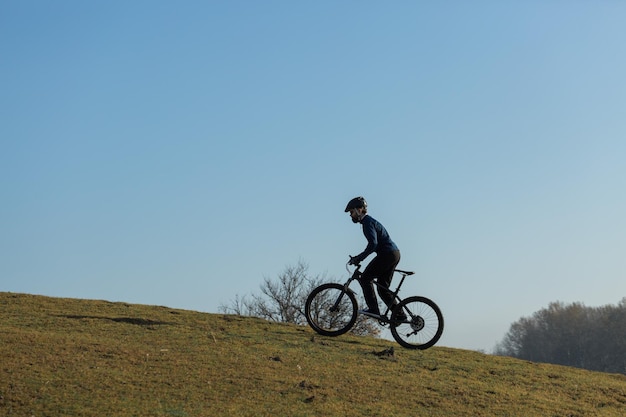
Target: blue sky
177, 153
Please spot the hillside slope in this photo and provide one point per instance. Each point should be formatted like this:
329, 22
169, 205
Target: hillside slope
69, 357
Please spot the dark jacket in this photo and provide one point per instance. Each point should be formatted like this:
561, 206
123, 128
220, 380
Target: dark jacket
378, 239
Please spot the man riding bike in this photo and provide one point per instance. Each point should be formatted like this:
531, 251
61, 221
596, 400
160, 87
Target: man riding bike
384, 263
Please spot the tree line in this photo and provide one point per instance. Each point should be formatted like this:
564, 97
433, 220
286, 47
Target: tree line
591, 338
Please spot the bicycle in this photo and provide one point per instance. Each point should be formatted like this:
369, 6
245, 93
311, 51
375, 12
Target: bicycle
415, 322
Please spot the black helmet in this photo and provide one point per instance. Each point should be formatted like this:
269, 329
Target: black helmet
356, 202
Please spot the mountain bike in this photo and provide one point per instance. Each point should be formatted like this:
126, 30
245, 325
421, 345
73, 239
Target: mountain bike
415, 322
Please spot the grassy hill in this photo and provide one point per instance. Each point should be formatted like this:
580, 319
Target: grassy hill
69, 357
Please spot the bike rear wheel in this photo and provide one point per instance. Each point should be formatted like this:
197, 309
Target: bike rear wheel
331, 310
423, 325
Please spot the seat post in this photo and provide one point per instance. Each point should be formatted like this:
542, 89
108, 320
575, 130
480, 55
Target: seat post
401, 281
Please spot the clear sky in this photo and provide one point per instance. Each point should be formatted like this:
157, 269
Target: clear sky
177, 153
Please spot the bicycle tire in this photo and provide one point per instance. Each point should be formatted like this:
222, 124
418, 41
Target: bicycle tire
319, 309
423, 326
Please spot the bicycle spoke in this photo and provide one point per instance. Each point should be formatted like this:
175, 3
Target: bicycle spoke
331, 311
423, 326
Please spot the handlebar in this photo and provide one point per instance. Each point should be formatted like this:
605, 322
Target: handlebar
357, 265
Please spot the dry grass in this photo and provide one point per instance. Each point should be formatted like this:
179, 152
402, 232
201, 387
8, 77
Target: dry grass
66, 357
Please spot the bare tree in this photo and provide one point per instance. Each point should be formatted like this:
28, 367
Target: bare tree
282, 300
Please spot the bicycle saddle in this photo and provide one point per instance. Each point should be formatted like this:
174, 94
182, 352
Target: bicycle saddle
405, 272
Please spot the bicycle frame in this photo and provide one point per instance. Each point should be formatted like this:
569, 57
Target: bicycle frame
357, 274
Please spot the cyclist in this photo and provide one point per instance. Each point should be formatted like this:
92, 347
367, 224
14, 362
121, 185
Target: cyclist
383, 264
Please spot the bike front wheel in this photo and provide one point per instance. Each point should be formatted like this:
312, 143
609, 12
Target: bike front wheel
331, 310
423, 325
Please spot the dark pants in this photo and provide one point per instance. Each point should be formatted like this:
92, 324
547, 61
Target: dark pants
381, 267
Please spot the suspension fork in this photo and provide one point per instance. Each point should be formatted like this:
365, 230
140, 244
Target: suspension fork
346, 288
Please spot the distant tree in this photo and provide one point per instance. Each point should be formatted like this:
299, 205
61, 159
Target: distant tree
571, 335
282, 300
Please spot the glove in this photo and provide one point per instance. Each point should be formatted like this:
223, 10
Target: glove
354, 260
